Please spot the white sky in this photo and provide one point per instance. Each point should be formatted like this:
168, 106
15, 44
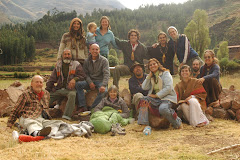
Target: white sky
134, 4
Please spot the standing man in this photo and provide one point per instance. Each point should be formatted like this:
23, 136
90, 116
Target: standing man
135, 84
66, 73
97, 72
133, 51
32, 110
162, 52
196, 68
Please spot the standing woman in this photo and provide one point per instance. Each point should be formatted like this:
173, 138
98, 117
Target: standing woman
75, 40
191, 98
209, 78
182, 48
162, 52
161, 96
105, 36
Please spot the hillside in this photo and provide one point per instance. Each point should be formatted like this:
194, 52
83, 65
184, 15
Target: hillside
35, 9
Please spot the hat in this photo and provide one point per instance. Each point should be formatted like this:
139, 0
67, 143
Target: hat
172, 27
136, 64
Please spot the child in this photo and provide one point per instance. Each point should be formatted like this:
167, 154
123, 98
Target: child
90, 38
113, 100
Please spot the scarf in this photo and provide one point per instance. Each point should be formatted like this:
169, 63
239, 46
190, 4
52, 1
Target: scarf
206, 69
134, 46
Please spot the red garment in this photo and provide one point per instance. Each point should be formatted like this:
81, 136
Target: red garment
40, 95
27, 138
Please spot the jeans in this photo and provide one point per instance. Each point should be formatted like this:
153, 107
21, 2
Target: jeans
165, 110
81, 85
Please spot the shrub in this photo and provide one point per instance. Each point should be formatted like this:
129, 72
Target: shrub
113, 52
113, 61
232, 65
52, 68
223, 63
21, 75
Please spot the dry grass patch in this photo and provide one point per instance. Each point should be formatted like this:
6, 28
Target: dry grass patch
187, 143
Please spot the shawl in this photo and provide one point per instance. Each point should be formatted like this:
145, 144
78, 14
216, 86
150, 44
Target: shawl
193, 88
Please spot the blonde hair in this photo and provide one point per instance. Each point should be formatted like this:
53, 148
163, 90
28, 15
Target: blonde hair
211, 52
90, 25
105, 17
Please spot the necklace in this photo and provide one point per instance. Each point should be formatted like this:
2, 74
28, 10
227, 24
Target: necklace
164, 53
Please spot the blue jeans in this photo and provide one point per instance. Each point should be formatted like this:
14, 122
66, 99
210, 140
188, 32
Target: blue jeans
81, 85
165, 110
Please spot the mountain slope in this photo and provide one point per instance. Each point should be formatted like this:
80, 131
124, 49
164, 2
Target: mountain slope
35, 9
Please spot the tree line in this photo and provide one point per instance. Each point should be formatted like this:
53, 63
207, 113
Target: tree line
17, 41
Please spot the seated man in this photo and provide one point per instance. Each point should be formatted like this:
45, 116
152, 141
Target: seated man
135, 84
97, 72
66, 73
196, 68
133, 51
32, 110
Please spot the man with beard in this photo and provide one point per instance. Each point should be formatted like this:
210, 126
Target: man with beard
196, 68
66, 73
135, 84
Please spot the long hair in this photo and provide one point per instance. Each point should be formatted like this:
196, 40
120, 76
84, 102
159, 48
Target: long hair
105, 17
160, 67
211, 52
77, 35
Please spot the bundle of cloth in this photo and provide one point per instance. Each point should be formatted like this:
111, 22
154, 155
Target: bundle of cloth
104, 120
84, 128
58, 131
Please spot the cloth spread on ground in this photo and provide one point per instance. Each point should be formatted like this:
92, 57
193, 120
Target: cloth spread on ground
103, 120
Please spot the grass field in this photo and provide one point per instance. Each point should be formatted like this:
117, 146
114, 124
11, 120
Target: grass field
185, 144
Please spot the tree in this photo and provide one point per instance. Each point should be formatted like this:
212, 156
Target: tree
198, 32
223, 51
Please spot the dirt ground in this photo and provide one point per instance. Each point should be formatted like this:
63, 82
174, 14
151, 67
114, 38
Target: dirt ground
187, 143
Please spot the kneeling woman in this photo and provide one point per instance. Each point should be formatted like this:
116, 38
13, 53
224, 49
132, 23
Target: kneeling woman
160, 97
191, 98
209, 78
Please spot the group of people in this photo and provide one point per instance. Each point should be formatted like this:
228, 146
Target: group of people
83, 65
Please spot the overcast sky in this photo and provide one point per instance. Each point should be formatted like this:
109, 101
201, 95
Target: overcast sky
134, 4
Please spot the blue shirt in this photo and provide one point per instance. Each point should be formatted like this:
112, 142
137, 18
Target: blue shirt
90, 38
104, 40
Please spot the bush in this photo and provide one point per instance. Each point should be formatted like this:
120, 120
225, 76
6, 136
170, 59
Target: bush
232, 65
113, 52
21, 75
225, 64
113, 61
52, 68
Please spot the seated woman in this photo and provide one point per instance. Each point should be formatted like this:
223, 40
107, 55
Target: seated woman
110, 113
191, 98
209, 78
160, 98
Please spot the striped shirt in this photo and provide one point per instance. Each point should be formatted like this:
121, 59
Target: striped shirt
28, 106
